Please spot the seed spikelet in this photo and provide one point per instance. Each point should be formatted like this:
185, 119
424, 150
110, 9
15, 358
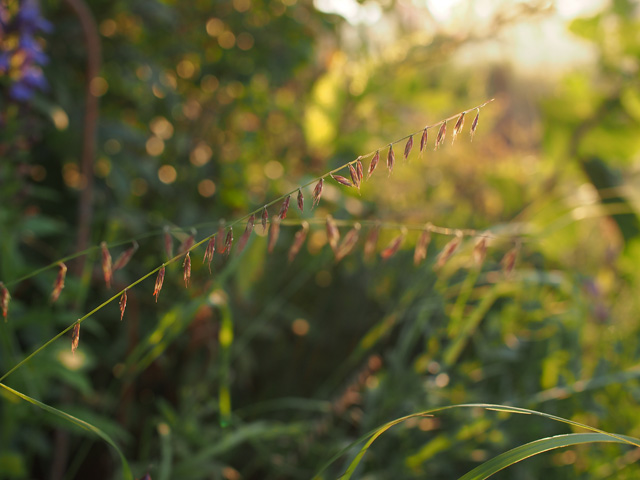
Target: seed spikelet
340, 179
347, 244
360, 170
480, 251
354, 176
509, 261
441, 134
75, 337
4, 300
317, 192
59, 283
391, 159
159, 282
448, 250
374, 163
423, 140
393, 246
228, 242
298, 241
265, 217
474, 125
408, 146
106, 264
188, 243
300, 200
187, 269
458, 127
285, 208
123, 304
420, 253
371, 241
247, 233
274, 233
209, 251
333, 234
125, 256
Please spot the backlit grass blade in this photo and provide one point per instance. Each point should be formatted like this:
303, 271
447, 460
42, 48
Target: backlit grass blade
527, 450
126, 471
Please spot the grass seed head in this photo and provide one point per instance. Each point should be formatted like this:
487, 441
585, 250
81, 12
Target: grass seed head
420, 253
374, 163
317, 192
159, 282
333, 234
458, 127
209, 251
4, 300
298, 241
509, 261
168, 242
125, 256
188, 243
448, 250
480, 251
265, 217
424, 139
441, 135
274, 233
58, 285
360, 170
371, 242
228, 242
247, 233
300, 200
75, 337
408, 146
391, 159
355, 179
393, 246
284, 208
187, 269
106, 264
474, 125
347, 244
342, 180
123, 304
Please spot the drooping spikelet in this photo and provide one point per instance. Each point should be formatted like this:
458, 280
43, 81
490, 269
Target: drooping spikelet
360, 170
480, 251
508, 262
168, 242
75, 337
441, 134
423, 140
298, 241
420, 253
123, 304
274, 232
347, 244
374, 163
448, 250
408, 146
159, 282
125, 256
355, 179
371, 242
284, 208
209, 251
220, 237
333, 234
265, 217
393, 246
391, 159
188, 242
4, 300
58, 285
342, 180
106, 264
457, 127
228, 242
186, 265
300, 200
317, 192
247, 233
474, 124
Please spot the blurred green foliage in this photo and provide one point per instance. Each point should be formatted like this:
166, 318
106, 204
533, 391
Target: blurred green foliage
266, 369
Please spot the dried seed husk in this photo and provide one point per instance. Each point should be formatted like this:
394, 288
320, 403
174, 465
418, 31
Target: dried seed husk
298, 241
106, 264
274, 233
187, 244
371, 241
247, 233
354, 176
480, 251
423, 140
360, 170
458, 127
393, 246
391, 159
448, 250
284, 208
317, 192
408, 146
168, 242
441, 135
124, 257
343, 180
347, 244
333, 234
265, 217
420, 253
508, 262
374, 163
123, 304
75, 337
58, 285
474, 125
300, 200
4, 300
159, 282
209, 251
228, 242
187, 269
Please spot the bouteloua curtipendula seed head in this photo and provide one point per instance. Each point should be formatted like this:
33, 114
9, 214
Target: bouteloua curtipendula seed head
457, 127
374, 163
360, 170
75, 337
347, 244
247, 233
474, 124
188, 242
274, 232
420, 253
124, 257
265, 217
441, 135
4, 300
186, 265
317, 192
123, 304
300, 200
285, 208
391, 159
393, 246
58, 285
159, 282
209, 251
106, 264
342, 180
298, 241
407, 148
333, 234
423, 140
228, 242
480, 251
509, 261
448, 250
354, 177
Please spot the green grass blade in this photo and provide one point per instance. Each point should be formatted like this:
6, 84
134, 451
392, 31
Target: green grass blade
527, 450
374, 434
126, 471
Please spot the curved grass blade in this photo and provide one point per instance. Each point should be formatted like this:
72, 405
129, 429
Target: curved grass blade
374, 434
527, 450
126, 471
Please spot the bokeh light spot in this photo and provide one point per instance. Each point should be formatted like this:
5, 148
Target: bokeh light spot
201, 154
215, 27
206, 188
300, 327
139, 187
273, 169
245, 41
155, 146
167, 174
98, 86
226, 40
